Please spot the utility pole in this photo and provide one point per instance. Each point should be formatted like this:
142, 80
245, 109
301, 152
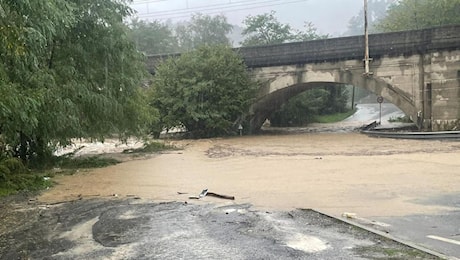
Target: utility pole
353, 98
366, 42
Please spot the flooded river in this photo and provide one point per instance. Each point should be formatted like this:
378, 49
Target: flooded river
330, 172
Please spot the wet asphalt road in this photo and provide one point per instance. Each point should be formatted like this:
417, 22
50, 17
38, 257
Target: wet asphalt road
440, 232
437, 232
134, 229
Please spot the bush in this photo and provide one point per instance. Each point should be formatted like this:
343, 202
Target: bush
14, 165
207, 91
15, 177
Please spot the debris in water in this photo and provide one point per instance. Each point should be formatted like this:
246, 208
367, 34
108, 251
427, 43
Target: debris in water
221, 196
205, 193
348, 215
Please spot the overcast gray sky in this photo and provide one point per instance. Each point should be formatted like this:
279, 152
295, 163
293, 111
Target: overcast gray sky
329, 16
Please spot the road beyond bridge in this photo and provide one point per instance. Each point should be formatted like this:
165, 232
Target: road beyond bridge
418, 71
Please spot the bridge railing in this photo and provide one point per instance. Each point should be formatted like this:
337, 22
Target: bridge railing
349, 48
344, 48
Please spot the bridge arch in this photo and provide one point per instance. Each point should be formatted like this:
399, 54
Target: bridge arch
277, 91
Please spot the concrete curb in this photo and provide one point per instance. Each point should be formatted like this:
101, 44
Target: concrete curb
388, 236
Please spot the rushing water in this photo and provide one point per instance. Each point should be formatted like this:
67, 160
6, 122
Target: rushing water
332, 172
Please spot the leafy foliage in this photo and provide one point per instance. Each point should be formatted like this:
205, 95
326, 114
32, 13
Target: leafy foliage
206, 91
301, 109
160, 38
309, 33
15, 177
68, 70
419, 14
305, 107
203, 30
376, 11
153, 37
265, 29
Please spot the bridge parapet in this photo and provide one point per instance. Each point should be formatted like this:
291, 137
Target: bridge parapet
344, 48
351, 48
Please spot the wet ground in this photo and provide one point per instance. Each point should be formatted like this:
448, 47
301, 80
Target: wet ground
135, 229
405, 188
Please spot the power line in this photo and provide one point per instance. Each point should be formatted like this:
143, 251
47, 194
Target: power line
217, 8
211, 6
135, 2
223, 5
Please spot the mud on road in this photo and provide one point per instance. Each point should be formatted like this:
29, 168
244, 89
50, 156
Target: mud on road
135, 229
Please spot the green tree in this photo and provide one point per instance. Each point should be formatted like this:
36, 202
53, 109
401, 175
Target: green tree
26, 38
336, 100
265, 29
207, 91
301, 109
309, 33
419, 14
68, 71
203, 30
376, 11
153, 37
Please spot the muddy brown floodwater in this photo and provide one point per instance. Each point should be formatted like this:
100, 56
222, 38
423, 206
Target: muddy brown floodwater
329, 172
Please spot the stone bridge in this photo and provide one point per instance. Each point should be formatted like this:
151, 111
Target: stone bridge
418, 71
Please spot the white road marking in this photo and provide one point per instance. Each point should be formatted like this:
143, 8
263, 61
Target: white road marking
444, 239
